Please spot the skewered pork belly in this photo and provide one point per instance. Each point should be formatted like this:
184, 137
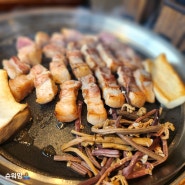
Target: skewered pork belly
92, 57
50, 50
45, 88
28, 51
66, 109
15, 67
130, 60
96, 112
71, 35
107, 38
108, 58
89, 40
144, 82
111, 91
72, 46
122, 51
57, 39
41, 39
126, 79
21, 86
127, 56
59, 70
36, 70
55, 46
44, 84
23, 41
79, 67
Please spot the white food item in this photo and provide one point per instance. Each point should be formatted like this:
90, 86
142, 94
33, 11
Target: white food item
8, 106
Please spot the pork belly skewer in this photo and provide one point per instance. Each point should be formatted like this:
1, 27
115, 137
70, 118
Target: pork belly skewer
44, 84
72, 38
21, 86
91, 93
28, 51
75, 40
122, 51
51, 50
107, 38
127, 56
144, 82
71, 35
15, 67
131, 60
126, 79
111, 91
59, 70
89, 40
92, 57
20, 83
41, 39
79, 67
55, 46
66, 109
45, 88
58, 39
96, 112
36, 70
108, 58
